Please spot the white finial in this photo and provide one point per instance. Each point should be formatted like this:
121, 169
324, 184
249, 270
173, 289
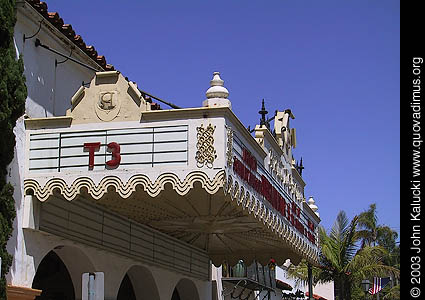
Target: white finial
313, 205
217, 94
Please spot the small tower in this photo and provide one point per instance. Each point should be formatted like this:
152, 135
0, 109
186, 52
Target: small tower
313, 206
217, 94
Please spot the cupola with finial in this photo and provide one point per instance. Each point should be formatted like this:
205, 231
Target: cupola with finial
217, 94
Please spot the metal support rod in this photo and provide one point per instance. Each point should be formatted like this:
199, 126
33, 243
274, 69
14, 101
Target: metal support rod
310, 282
234, 288
160, 100
38, 43
38, 30
65, 60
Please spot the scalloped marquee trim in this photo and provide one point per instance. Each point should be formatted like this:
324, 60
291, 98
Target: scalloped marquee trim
270, 219
125, 189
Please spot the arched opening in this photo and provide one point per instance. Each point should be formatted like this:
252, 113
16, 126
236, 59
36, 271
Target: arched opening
126, 291
185, 290
53, 279
175, 295
138, 283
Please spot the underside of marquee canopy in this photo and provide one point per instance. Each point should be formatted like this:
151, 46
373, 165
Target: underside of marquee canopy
221, 219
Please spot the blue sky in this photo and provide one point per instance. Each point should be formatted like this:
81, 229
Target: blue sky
336, 64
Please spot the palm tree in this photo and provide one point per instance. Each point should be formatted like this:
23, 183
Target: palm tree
342, 261
368, 223
373, 234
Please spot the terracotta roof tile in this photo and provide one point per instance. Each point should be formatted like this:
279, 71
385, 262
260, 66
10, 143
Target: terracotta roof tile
41, 7
91, 51
101, 60
66, 29
109, 67
155, 106
315, 296
78, 40
283, 285
55, 19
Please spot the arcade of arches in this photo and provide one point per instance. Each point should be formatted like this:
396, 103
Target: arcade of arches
59, 275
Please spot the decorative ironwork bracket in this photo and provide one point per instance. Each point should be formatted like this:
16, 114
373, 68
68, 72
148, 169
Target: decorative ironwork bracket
38, 30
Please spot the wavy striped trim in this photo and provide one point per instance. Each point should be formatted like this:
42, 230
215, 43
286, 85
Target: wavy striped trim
125, 190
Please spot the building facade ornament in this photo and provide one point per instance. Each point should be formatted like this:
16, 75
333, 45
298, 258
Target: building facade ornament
206, 153
217, 94
108, 97
313, 205
276, 223
123, 189
229, 150
108, 106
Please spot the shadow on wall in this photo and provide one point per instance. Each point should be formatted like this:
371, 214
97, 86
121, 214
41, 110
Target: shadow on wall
53, 279
59, 273
138, 283
185, 290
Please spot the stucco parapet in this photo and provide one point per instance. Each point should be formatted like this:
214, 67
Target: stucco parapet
205, 113
264, 132
50, 122
298, 177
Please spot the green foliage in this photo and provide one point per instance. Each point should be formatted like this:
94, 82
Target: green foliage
392, 293
13, 93
357, 293
373, 234
343, 261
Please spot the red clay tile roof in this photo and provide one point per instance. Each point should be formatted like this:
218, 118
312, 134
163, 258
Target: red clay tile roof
283, 285
315, 296
54, 19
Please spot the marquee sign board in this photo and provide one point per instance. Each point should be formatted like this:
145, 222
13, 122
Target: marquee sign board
99, 149
166, 149
282, 199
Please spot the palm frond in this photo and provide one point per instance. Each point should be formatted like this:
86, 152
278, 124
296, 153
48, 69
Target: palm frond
299, 274
349, 242
393, 293
339, 227
368, 262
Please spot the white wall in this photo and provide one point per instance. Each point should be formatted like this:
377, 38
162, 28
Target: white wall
49, 93
49, 89
324, 290
80, 259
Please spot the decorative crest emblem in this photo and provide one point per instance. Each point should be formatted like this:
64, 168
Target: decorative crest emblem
108, 106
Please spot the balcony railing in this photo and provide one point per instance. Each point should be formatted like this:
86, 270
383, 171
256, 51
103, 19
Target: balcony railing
257, 276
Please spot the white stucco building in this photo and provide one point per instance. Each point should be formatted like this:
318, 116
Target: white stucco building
161, 204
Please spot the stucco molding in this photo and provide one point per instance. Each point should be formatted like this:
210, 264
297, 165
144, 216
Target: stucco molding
274, 222
124, 190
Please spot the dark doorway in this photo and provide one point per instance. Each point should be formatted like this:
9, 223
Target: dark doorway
126, 291
176, 295
53, 279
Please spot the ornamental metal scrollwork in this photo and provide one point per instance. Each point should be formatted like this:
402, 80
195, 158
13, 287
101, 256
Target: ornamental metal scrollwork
206, 153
